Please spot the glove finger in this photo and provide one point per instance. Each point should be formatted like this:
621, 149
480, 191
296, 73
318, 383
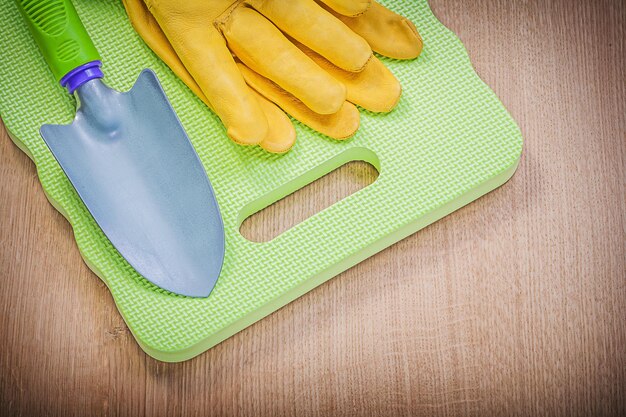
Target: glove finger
322, 32
149, 30
387, 33
260, 45
375, 88
281, 135
340, 125
205, 56
349, 7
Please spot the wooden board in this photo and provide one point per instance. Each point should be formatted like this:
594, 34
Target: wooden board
524, 314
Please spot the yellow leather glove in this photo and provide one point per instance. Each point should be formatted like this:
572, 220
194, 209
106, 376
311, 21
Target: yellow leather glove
388, 33
198, 38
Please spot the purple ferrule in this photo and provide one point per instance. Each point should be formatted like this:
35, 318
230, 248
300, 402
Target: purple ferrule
80, 75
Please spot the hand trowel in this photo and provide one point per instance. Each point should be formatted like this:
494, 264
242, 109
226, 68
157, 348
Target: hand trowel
130, 160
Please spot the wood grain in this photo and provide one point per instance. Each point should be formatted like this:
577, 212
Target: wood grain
309, 200
513, 306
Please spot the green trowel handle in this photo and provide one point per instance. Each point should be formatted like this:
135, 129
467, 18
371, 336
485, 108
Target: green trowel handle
61, 36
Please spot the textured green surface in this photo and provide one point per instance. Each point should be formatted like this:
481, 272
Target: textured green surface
448, 142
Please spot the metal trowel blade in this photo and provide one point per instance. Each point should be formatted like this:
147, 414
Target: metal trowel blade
132, 164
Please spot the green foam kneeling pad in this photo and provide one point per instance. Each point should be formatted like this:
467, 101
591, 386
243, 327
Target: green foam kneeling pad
448, 142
